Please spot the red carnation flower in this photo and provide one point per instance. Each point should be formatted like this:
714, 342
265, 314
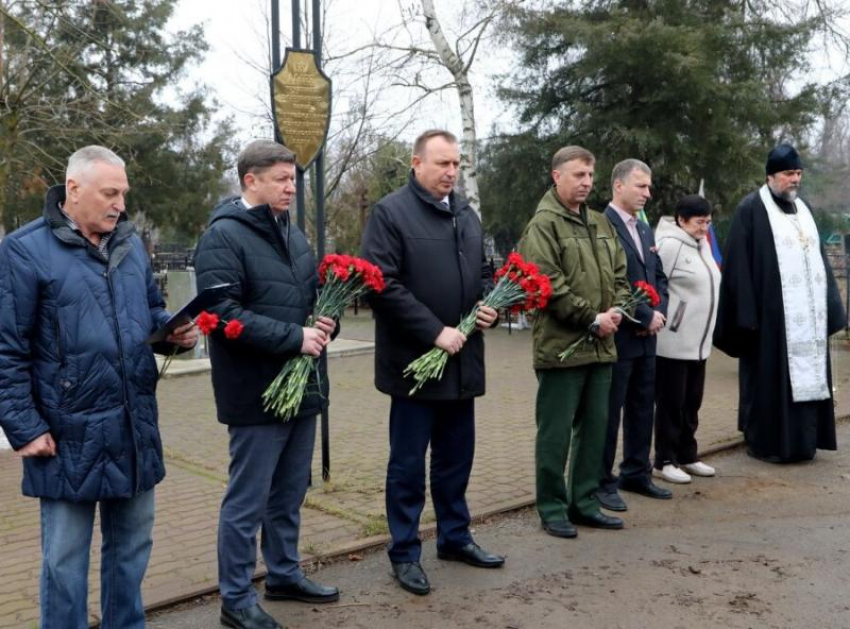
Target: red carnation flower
342, 272
233, 329
649, 292
344, 279
519, 286
207, 322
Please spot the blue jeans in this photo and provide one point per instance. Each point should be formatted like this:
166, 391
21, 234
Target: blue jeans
66, 532
269, 471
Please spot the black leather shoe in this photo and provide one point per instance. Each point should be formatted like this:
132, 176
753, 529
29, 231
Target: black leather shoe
254, 617
305, 591
611, 500
647, 488
599, 521
411, 577
560, 528
473, 555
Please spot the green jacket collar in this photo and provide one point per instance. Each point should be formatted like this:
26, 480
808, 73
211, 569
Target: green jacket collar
551, 202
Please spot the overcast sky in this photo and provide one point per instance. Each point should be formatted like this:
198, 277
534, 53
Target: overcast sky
237, 35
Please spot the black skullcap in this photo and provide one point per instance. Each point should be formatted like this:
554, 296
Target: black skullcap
692, 205
783, 157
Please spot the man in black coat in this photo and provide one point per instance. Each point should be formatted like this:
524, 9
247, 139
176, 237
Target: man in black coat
633, 381
428, 243
252, 244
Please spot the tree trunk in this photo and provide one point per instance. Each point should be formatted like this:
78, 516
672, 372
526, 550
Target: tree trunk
8, 129
469, 155
3, 179
2, 37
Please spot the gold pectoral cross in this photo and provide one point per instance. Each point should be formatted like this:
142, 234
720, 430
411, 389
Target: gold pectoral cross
801, 235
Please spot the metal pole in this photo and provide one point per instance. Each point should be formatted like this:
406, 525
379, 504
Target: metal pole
847, 279
319, 174
296, 23
275, 35
275, 38
320, 158
299, 172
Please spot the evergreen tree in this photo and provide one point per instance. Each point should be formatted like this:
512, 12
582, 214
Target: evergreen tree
698, 89
383, 170
106, 72
514, 174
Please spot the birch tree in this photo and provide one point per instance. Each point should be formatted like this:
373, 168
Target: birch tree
459, 69
427, 54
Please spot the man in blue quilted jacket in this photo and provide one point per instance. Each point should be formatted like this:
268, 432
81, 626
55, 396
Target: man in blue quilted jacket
77, 387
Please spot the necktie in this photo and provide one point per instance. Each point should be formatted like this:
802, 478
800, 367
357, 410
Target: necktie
636, 237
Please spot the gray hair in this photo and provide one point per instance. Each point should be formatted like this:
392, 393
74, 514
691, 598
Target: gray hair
626, 167
83, 159
570, 153
260, 155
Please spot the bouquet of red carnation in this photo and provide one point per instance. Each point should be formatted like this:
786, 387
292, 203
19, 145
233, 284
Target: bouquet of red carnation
642, 293
207, 322
344, 279
520, 285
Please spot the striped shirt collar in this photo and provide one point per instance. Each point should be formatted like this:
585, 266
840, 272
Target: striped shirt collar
102, 248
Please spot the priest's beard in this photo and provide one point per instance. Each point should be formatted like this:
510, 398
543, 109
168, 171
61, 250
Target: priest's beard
789, 194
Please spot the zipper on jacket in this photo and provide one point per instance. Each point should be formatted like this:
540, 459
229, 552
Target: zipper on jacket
60, 345
64, 383
108, 275
593, 245
290, 265
711, 309
462, 292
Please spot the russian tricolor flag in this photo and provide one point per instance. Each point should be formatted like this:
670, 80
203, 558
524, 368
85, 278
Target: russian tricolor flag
712, 237
715, 247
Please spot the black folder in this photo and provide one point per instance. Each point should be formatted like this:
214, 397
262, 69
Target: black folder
207, 298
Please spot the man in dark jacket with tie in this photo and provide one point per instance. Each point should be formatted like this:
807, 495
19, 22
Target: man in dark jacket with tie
252, 245
633, 382
78, 387
428, 243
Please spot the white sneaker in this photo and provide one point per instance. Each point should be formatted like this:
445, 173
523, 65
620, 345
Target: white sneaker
699, 469
673, 474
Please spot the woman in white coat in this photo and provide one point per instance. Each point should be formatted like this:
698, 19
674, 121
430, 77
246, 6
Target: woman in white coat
685, 342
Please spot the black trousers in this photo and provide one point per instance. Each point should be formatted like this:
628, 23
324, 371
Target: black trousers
632, 393
679, 387
449, 428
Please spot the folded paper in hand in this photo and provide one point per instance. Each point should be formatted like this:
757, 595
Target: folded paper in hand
207, 298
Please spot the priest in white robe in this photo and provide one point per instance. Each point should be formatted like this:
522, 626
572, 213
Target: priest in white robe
779, 303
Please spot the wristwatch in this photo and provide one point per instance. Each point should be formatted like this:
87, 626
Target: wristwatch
594, 328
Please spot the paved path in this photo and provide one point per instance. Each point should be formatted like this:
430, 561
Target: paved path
344, 514
759, 547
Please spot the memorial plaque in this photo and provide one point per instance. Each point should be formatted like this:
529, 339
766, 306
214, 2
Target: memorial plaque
302, 105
